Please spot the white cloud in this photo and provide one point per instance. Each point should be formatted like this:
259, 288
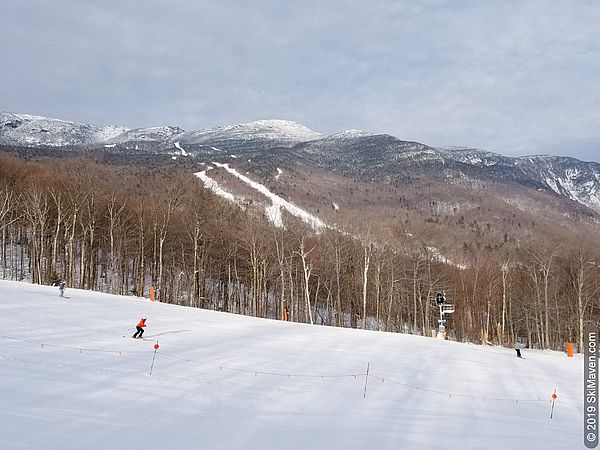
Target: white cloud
515, 77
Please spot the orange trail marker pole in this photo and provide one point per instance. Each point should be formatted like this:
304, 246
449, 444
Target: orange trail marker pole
553, 399
154, 356
570, 349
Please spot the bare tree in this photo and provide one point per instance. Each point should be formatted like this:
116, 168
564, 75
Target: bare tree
367, 252
307, 271
583, 281
171, 201
36, 207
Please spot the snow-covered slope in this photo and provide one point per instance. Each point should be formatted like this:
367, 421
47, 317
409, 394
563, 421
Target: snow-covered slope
273, 211
351, 134
31, 131
260, 134
354, 153
158, 134
362, 153
70, 380
475, 156
568, 177
211, 184
28, 130
576, 180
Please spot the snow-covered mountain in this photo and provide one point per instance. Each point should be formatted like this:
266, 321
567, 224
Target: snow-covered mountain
261, 134
568, 177
365, 154
153, 134
27, 130
475, 156
355, 153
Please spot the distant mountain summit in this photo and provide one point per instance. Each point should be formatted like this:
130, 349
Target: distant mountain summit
280, 130
32, 131
153, 134
26, 130
353, 153
261, 134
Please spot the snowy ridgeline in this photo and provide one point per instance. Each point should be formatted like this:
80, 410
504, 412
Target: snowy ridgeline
576, 180
71, 378
31, 130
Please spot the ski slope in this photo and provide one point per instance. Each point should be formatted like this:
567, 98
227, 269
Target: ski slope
70, 379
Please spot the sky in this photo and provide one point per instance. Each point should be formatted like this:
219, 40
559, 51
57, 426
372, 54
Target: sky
514, 77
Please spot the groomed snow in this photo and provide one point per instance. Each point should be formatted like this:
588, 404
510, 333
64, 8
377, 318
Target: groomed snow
70, 380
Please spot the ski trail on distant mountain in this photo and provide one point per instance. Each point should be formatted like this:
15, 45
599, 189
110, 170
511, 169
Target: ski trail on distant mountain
274, 212
211, 184
183, 152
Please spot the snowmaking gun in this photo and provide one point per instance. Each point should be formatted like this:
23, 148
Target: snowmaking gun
445, 308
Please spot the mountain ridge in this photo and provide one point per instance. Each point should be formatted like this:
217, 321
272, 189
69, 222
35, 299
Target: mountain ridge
354, 153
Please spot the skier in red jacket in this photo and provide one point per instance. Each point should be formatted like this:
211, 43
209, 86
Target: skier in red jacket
140, 328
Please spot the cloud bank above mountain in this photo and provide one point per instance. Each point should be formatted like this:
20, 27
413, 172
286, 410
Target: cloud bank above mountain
513, 77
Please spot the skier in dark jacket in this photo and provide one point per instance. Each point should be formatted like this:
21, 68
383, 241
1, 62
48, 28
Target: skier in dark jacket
61, 287
140, 328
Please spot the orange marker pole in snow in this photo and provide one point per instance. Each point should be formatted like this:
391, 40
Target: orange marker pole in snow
152, 293
153, 357
570, 349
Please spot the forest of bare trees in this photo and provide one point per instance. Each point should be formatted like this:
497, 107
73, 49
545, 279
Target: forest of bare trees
122, 231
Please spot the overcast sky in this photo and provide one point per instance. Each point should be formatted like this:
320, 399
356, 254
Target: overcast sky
515, 77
